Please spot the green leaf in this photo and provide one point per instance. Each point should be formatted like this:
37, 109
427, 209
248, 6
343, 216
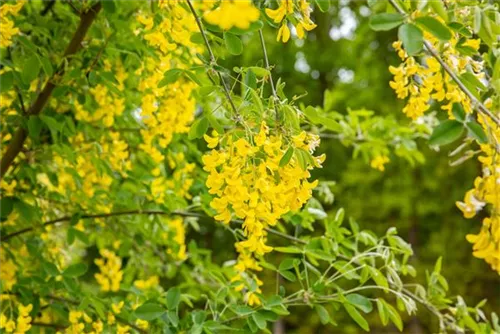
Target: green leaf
170, 76
50, 268
233, 43
6, 206
476, 131
477, 20
149, 311
435, 27
173, 298
412, 38
384, 317
357, 317
260, 320
243, 310
6, 81
460, 28
386, 21
285, 159
458, 111
290, 250
446, 133
288, 275
47, 66
323, 5
198, 128
34, 126
394, 316
109, 6
260, 72
378, 277
439, 8
324, 316
287, 263
207, 90
215, 123
75, 270
361, 302
51, 122
31, 69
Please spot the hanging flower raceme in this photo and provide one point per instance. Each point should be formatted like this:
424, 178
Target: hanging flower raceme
298, 14
423, 83
7, 27
252, 180
485, 194
110, 274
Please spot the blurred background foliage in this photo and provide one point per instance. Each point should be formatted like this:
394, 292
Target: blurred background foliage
344, 64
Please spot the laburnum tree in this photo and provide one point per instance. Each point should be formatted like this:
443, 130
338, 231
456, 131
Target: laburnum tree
130, 153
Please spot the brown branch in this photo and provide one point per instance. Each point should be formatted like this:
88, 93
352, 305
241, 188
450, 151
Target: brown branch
142, 212
86, 20
104, 215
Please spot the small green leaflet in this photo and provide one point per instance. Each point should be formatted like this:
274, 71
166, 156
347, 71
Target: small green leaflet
386, 21
233, 43
412, 38
446, 133
286, 157
357, 317
149, 311
477, 132
435, 27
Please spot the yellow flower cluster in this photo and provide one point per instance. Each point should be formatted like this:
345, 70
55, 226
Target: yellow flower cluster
111, 274
285, 12
176, 225
423, 83
248, 183
95, 182
233, 13
109, 106
179, 183
7, 28
23, 322
147, 284
379, 162
486, 193
78, 321
8, 270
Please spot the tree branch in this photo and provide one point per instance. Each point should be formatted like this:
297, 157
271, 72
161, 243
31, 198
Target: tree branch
213, 61
86, 20
141, 212
478, 105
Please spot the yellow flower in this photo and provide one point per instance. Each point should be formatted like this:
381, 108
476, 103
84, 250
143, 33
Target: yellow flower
277, 15
233, 13
379, 162
213, 141
283, 33
117, 307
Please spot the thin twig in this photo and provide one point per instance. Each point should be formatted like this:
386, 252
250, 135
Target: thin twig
478, 105
268, 67
213, 61
139, 212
